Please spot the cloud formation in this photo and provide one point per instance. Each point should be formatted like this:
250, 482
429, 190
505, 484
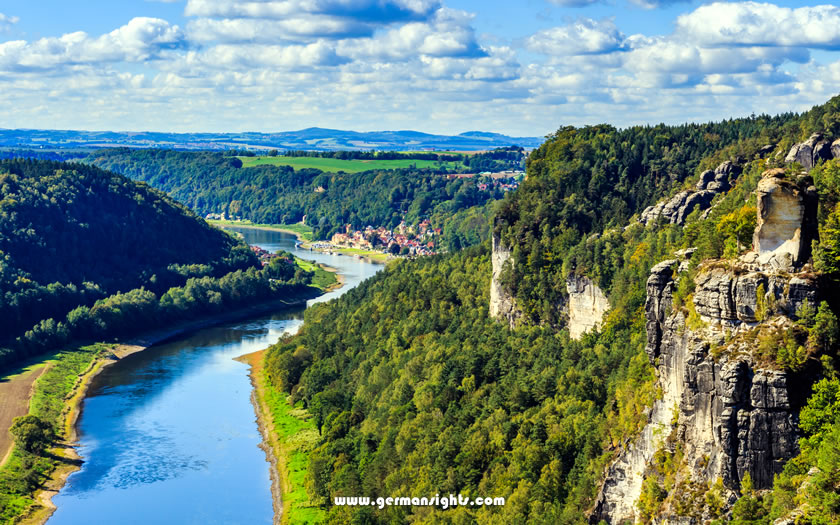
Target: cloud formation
139, 40
365, 64
584, 37
7, 21
762, 24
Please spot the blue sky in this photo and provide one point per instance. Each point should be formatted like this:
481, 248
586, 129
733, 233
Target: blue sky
442, 66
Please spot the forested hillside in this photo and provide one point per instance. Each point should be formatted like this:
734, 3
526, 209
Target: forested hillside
416, 390
71, 234
215, 183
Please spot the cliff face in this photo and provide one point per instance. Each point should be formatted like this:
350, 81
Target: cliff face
735, 410
676, 209
587, 305
813, 150
502, 303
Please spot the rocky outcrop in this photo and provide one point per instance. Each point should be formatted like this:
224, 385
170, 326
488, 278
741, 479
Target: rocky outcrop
658, 304
676, 209
766, 150
727, 299
735, 417
587, 305
813, 150
787, 220
737, 410
502, 303
623, 482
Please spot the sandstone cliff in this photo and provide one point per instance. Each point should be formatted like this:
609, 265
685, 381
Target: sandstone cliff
726, 410
502, 303
676, 209
813, 150
584, 309
587, 305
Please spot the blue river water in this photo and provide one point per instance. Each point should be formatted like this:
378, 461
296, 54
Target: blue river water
169, 435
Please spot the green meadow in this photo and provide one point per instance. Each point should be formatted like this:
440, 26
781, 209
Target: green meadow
348, 166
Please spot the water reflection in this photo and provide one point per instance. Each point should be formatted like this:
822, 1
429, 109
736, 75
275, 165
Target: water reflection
168, 435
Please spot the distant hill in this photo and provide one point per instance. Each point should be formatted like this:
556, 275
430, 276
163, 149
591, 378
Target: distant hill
306, 139
71, 234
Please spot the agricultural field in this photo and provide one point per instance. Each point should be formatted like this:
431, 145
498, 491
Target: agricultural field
349, 166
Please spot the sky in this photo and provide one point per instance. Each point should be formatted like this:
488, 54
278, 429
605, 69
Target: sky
523, 68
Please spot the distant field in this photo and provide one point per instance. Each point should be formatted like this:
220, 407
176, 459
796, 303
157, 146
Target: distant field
349, 166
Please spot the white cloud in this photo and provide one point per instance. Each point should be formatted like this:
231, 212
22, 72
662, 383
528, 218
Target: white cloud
256, 56
139, 40
296, 28
384, 63
586, 36
447, 34
500, 65
762, 24
7, 21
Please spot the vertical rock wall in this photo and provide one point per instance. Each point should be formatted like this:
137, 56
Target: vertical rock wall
737, 411
587, 305
734, 416
502, 303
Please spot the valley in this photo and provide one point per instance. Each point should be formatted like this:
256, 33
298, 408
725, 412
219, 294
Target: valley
640, 329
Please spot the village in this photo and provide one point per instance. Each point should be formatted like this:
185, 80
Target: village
404, 240
266, 257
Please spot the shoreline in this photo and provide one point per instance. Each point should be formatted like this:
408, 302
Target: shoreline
264, 227
269, 444
367, 255
44, 509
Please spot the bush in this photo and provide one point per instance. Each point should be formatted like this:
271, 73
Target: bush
32, 434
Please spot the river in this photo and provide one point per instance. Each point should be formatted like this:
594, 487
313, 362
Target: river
169, 435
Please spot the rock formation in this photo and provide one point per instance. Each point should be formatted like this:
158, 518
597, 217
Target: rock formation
810, 152
735, 411
502, 303
587, 305
787, 220
676, 209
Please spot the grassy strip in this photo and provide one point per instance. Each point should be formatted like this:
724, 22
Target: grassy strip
292, 434
297, 435
323, 279
55, 398
375, 256
302, 231
348, 166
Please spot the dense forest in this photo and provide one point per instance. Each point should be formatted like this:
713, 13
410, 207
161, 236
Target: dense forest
415, 389
72, 234
215, 183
